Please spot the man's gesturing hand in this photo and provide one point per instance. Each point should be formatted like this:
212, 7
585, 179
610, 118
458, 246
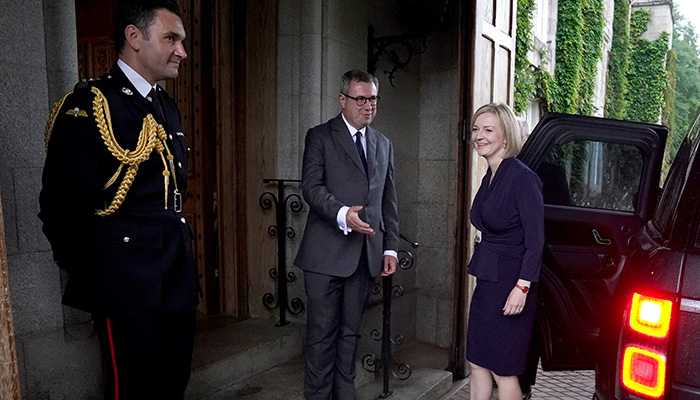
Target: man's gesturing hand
353, 221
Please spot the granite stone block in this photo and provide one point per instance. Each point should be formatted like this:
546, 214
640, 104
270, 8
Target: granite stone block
9, 210
311, 16
308, 114
432, 277
60, 36
288, 17
59, 83
346, 22
432, 223
24, 115
56, 369
27, 188
434, 182
443, 333
22, 33
426, 318
435, 137
287, 64
311, 50
30, 275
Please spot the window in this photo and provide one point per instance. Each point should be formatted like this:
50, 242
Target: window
593, 175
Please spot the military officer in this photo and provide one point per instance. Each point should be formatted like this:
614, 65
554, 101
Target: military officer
114, 183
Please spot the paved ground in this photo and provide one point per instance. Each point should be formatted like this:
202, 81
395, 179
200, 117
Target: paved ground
557, 385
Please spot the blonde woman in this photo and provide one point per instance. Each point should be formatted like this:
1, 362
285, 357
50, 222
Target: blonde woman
509, 212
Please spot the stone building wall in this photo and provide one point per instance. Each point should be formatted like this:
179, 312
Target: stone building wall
38, 65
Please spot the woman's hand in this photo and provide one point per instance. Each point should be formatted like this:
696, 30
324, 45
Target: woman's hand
516, 299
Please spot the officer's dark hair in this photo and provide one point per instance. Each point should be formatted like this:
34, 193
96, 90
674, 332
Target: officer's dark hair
139, 13
357, 75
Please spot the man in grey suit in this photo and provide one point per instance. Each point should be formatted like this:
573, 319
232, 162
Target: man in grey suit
351, 235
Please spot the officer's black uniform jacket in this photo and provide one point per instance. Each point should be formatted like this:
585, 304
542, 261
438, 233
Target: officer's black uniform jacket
137, 260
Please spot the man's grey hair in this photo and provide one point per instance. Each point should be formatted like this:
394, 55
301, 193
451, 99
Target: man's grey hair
357, 75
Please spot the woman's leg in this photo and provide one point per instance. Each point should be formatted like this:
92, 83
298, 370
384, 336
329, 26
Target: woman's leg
480, 383
508, 387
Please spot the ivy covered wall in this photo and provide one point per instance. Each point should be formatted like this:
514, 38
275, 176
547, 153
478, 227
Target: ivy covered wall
646, 76
524, 77
637, 86
616, 91
579, 42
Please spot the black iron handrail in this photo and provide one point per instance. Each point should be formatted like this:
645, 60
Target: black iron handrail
267, 200
389, 291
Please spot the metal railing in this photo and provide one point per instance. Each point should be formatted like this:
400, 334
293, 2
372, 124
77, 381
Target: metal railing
389, 291
294, 202
283, 232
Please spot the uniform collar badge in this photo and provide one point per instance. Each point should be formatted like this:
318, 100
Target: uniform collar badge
127, 91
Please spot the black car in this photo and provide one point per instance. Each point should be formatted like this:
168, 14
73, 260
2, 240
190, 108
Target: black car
620, 282
649, 346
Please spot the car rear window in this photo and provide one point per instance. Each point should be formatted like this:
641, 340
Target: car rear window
592, 174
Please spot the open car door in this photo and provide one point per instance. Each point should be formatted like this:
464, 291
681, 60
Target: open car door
600, 181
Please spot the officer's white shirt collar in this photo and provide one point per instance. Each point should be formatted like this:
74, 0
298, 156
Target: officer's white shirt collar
139, 82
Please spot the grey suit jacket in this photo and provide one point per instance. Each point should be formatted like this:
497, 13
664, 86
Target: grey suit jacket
332, 177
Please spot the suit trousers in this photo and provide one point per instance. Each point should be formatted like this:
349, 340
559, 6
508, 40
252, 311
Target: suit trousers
146, 357
334, 315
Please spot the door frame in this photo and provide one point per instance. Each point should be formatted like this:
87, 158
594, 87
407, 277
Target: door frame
458, 351
9, 375
244, 66
499, 32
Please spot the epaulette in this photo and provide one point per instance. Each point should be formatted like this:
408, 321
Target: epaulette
86, 83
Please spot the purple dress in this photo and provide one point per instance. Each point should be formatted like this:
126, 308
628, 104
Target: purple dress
509, 212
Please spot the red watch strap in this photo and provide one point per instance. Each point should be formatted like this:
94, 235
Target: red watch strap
525, 289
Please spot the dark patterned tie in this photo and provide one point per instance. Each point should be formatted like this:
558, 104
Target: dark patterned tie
361, 151
153, 94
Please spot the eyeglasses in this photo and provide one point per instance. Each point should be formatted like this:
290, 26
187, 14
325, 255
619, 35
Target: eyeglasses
361, 100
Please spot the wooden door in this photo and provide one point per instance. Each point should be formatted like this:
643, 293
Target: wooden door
487, 58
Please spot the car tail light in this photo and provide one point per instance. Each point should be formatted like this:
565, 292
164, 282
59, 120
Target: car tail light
644, 371
650, 316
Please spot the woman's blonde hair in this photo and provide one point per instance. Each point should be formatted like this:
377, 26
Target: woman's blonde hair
509, 123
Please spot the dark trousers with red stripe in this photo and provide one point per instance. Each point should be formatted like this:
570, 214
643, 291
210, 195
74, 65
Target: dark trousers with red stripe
146, 357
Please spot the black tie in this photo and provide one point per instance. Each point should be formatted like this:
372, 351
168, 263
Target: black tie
153, 94
361, 151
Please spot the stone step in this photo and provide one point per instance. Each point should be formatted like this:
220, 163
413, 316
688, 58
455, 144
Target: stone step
227, 351
423, 384
285, 382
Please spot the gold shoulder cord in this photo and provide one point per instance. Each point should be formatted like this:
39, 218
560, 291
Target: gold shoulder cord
52, 118
152, 136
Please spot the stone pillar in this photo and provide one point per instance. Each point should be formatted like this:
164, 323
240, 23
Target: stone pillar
311, 64
60, 38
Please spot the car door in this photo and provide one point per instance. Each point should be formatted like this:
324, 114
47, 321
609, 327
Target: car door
600, 181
